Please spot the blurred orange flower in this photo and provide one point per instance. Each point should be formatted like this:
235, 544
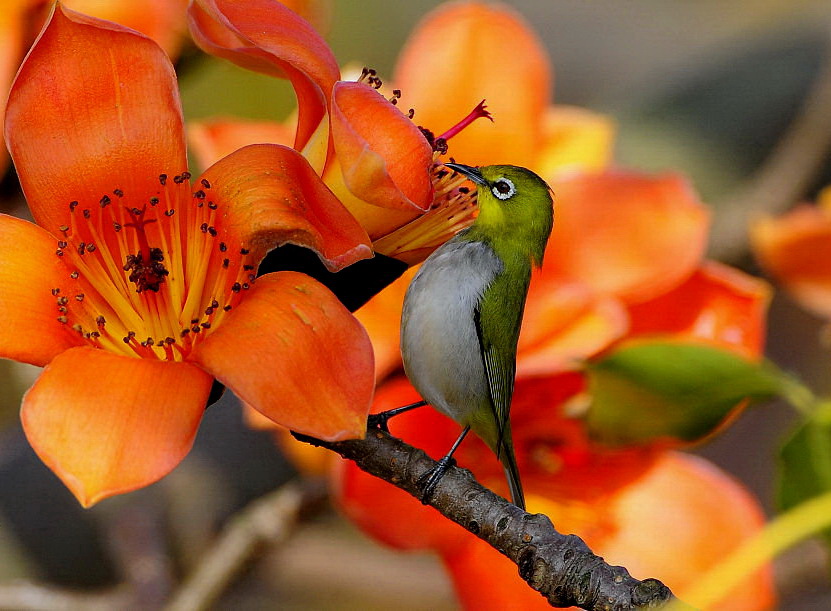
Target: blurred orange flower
136, 289
795, 249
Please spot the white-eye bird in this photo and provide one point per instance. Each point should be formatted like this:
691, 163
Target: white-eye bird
463, 310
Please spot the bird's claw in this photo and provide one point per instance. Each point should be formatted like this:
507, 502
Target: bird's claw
431, 479
380, 420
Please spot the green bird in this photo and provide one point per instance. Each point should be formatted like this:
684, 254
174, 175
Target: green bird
463, 311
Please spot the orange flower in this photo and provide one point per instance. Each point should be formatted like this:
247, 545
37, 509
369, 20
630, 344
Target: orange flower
136, 289
21, 20
794, 249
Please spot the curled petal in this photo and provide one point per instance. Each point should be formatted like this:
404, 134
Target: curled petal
384, 158
564, 324
796, 250
464, 52
117, 109
629, 235
265, 36
295, 354
716, 303
107, 424
274, 197
212, 140
29, 329
574, 139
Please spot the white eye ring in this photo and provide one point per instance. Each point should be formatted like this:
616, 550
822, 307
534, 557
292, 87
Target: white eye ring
503, 189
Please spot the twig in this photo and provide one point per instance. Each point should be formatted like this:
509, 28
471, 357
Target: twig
785, 175
561, 567
268, 520
29, 596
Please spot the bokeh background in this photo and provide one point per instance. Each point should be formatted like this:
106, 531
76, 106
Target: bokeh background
707, 87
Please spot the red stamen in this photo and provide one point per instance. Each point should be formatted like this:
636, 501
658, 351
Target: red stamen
477, 113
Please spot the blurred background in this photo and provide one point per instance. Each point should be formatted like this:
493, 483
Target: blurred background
706, 87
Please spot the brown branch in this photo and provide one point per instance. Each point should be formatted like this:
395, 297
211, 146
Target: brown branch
24, 596
268, 520
561, 567
786, 173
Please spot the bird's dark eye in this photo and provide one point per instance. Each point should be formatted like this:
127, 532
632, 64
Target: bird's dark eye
503, 189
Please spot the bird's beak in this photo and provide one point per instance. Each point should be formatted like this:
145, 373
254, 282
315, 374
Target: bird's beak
472, 173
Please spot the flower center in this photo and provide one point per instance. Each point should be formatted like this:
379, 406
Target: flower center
150, 278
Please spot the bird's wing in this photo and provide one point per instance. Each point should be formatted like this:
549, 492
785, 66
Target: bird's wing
498, 317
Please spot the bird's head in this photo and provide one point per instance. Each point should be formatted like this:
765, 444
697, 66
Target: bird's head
515, 207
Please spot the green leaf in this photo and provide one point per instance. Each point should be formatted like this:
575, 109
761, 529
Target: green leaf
805, 461
648, 390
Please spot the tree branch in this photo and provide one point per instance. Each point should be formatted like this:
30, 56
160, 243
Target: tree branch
561, 567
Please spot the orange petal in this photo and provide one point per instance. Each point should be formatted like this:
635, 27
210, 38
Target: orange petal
161, 20
384, 157
626, 234
13, 41
574, 139
265, 36
716, 303
107, 424
29, 329
564, 324
701, 515
464, 52
111, 121
274, 197
212, 140
294, 353
795, 248
379, 508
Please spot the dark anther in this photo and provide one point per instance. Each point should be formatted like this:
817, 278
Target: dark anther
63, 319
464, 190
74, 275
184, 332
411, 113
212, 206
222, 247
55, 292
154, 201
126, 339
90, 247
100, 321
212, 231
214, 304
170, 212
440, 145
186, 175
226, 263
62, 300
247, 267
203, 228
194, 321
147, 275
87, 213
178, 179
79, 297
116, 226
209, 311
195, 328
227, 308
59, 252
163, 179
205, 183
72, 206
118, 192
244, 251
105, 201
206, 325
63, 229
62, 244
62, 309
169, 340
78, 329
236, 287
199, 194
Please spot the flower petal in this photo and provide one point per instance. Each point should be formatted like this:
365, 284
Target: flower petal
564, 324
107, 424
795, 248
274, 197
112, 121
716, 303
295, 354
464, 52
574, 139
630, 235
161, 20
384, 157
29, 329
265, 36
212, 140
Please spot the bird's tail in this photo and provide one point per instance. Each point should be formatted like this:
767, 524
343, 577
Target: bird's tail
506, 456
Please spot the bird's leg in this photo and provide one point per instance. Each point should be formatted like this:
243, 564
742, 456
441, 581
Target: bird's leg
379, 421
430, 480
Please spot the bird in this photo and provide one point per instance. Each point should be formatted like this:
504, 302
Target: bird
463, 311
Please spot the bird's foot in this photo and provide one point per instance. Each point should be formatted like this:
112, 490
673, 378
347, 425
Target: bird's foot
430, 480
380, 420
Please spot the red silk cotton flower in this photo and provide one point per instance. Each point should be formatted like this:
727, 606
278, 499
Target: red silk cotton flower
136, 288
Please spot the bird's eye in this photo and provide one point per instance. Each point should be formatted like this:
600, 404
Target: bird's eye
503, 189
